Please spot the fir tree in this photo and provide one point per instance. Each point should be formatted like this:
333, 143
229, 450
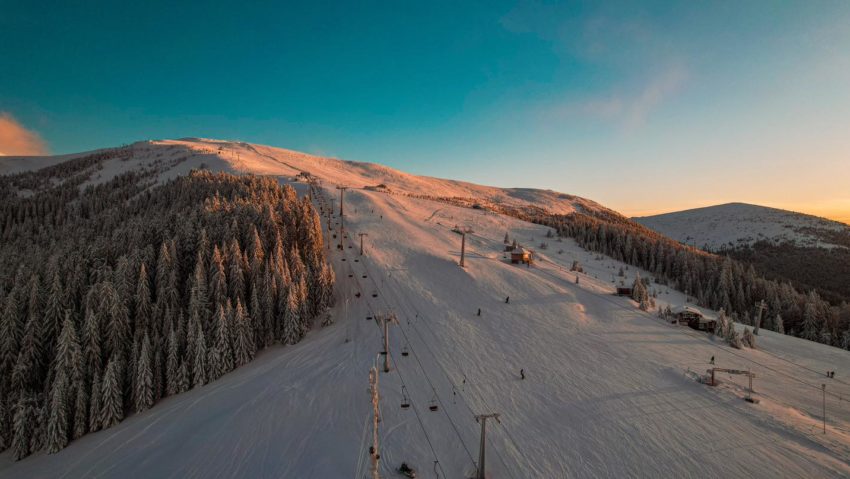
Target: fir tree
199, 366
111, 394
218, 278
172, 365
183, 378
11, 333
81, 407
95, 404
69, 358
57, 421
244, 343
748, 338
143, 301
92, 341
24, 426
144, 392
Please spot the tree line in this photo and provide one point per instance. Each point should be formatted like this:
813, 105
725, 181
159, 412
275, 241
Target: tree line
118, 294
713, 281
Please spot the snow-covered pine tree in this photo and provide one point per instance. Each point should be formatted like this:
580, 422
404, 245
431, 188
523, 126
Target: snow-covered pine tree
111, 395
144, 393
290, 316
143, 306
256, 251
811, 325
198, 293
27, 373
224, 332
117, 322
94, 403
69, 356
721, 329
183, 378
733, 337
778, 325
748, 338
92, 341
57, 419
639, 293
11, 334
54, 313
81, 410
235, 271
244, 343
199, 364
218, 278
24, 425
172, 365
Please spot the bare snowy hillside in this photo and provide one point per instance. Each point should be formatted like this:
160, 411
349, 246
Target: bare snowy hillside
608, 390
738, 224
233, 156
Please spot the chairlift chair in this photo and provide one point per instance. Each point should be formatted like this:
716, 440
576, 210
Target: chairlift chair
404, 350
405, 401
433, 404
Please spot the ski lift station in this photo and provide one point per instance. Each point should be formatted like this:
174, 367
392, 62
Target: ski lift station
520, 255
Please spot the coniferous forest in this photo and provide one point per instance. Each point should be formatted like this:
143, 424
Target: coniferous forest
116, 294
713, 281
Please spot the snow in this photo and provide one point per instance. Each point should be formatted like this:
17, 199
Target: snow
610, 391
241, 157
737, 224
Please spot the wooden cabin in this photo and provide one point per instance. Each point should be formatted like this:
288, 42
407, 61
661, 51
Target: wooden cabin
693, 318
520, 255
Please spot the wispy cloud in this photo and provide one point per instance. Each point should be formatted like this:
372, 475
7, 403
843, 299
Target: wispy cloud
17, 140
629, 109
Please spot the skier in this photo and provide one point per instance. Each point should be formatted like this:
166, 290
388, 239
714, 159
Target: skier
407, 470
522, 373
507, 300
479, 311
712, 360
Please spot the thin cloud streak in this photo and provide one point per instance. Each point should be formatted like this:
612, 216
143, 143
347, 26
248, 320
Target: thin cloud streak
629, 110
15, 140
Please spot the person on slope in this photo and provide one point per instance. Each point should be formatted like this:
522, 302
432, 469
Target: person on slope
522, 373
712, 360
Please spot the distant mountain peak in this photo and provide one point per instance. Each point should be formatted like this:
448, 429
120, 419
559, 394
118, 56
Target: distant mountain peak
731, 225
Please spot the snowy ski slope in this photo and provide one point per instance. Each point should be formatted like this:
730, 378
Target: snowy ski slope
610, 391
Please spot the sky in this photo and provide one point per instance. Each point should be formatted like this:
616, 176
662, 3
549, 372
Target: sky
645, 107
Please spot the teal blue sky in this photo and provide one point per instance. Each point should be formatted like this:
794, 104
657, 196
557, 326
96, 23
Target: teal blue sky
643, 106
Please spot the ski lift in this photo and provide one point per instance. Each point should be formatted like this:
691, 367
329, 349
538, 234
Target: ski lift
374, 295
405, 401
356, 260
351, 275
368, 318
404, 351
343, 259
432, 406
364, 276
357, 295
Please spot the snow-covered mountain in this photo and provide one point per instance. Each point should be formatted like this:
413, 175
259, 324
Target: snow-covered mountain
609, 390
739, 224
239, 157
